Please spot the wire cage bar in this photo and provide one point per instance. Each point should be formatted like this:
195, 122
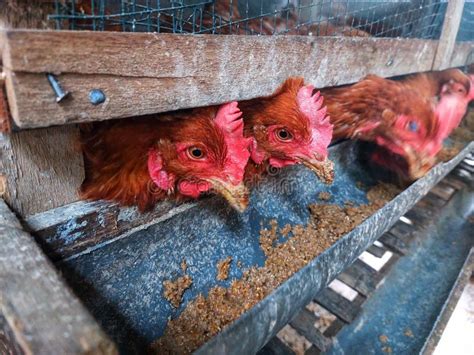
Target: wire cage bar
406, 19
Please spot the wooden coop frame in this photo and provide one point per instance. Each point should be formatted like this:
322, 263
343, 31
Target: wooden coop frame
154, 70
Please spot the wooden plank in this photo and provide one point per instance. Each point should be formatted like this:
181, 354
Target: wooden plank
419, 217
452, 20
360, 277
42, 313
462, 54
338, 305
38, 170
69, 230
43, 168
5, 125
334, 328
276, 347
143, 73
312, 351
395, 243
443, 191
304, 325
376, 251
435, 201
8, 343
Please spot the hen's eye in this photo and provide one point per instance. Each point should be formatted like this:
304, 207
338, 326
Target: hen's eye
283, 135
195, 153
413, 126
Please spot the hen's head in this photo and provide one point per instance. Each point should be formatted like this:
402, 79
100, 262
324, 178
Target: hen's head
452, 105
402, 124
207, 150
290, 127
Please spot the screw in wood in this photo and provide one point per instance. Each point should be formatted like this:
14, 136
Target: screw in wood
58, 90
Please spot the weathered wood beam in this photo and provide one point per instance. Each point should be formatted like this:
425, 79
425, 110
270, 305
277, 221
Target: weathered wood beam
41, 169
462, 54
452, 20
72, 229
144, 73
38, 309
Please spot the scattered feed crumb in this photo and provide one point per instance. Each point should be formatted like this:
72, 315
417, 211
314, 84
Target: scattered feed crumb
174, 290
387, 349
408, 333
446, 154
285, 230
223, 268
184, 266
360, 185
204, 317
239, 264
324, 196
383, 338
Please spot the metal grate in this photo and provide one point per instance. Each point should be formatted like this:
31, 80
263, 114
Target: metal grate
409, 19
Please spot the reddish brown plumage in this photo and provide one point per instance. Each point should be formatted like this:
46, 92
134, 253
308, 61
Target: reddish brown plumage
388, 113
307, 128
355, 107
117, 156
432, 84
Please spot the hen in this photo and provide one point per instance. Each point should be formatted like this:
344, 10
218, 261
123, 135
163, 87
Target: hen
269, 20
143, 160
450, 92
289, 127
397, 119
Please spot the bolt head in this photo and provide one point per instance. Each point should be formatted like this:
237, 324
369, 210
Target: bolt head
96, 97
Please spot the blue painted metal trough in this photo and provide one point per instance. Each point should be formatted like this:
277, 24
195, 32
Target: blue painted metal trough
121, 280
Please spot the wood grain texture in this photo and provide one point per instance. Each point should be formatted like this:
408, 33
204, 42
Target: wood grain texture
8, 343
452, 20
38, 170
143, 73
72, 229
5, 120
462, 55
303, 323
41, 312
43, 169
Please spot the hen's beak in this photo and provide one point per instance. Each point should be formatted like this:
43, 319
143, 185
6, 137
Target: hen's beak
418, 163
236, 195
323, 169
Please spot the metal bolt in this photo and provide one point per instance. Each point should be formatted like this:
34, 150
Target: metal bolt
58, 90
389, 63
96, 96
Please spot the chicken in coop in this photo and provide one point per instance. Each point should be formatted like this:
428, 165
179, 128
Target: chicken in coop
289, 127
401, 122
450, 92
143, 160
270, 17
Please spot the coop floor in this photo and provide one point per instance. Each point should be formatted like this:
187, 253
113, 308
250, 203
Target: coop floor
399, 316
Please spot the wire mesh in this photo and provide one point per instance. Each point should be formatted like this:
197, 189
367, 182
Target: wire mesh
408, 19
466, 28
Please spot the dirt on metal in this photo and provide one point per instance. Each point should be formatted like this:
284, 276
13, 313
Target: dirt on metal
287, 250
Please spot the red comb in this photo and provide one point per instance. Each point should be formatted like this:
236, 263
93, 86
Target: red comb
229, 120
321, 128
